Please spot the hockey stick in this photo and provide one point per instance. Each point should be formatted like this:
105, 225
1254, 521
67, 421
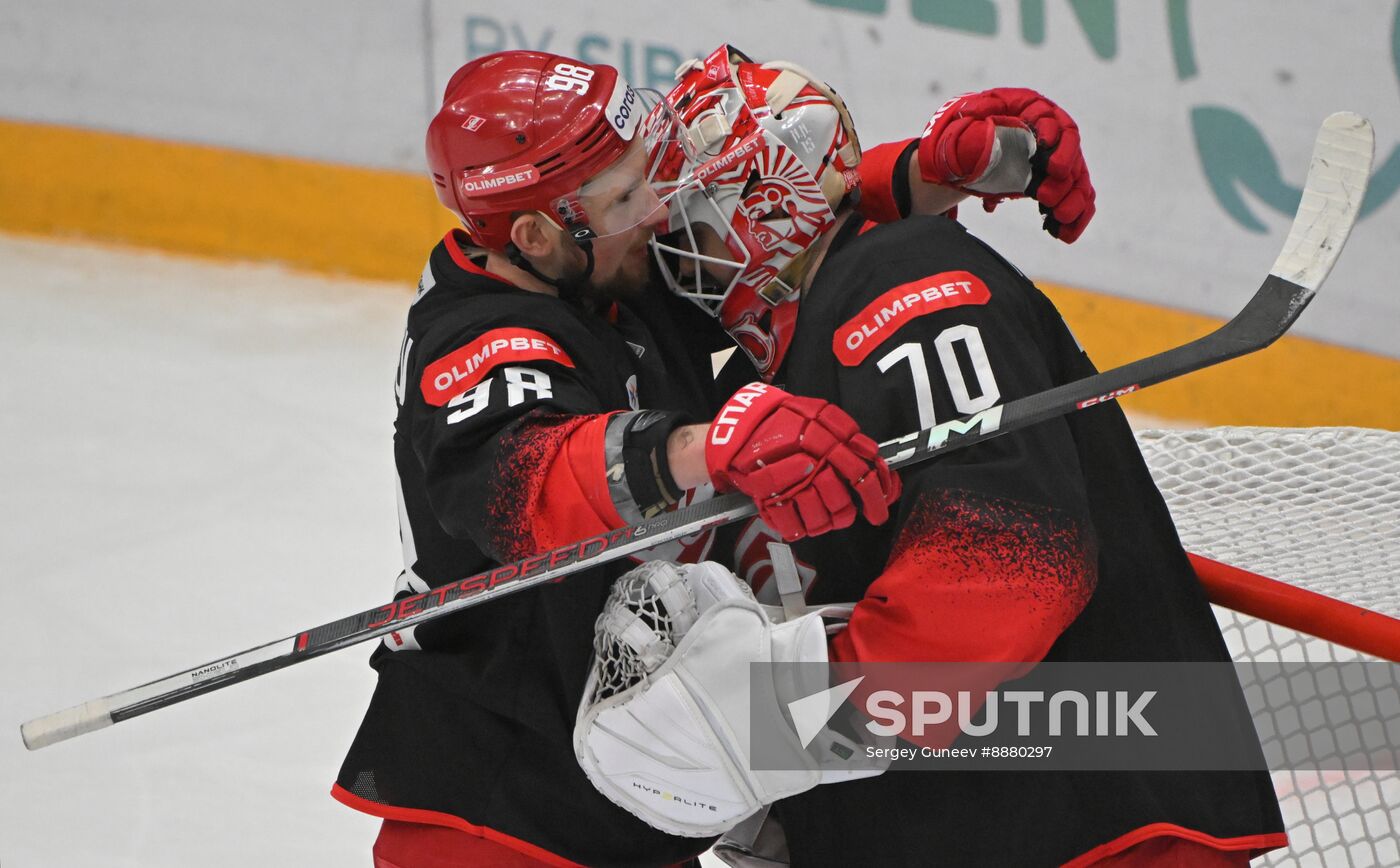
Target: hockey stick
1331, 199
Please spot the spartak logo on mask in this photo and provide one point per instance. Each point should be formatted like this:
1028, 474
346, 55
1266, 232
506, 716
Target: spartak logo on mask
785, 205
771, 208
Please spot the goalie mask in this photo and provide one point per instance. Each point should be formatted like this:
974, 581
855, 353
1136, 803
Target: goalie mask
768, 156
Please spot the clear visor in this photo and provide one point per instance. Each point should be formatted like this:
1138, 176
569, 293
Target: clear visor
629, 193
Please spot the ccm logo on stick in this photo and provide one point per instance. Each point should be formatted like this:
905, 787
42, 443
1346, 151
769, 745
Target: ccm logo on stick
1109, 396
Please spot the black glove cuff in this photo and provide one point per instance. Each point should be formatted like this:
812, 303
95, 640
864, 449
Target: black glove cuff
639, 474
899, 184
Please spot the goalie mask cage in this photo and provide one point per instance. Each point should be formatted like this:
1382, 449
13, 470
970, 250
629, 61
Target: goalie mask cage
1317, 509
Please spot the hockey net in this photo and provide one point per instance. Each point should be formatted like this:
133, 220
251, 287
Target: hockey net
1318, 510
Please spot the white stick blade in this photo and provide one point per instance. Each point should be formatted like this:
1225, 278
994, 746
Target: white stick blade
1332, 194
63, 725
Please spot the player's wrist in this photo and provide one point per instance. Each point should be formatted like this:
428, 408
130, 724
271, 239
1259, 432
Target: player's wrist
926, 193
685, 456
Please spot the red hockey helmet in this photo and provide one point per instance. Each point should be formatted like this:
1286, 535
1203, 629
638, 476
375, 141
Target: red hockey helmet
771, 154
523, 131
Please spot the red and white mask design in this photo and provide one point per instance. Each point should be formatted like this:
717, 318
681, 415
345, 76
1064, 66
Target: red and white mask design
771, 157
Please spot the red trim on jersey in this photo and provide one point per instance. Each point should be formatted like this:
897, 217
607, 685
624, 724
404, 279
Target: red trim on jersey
468, 365
971, 579
754, 563
574, 503
876, 172
879, 320
437, 818
453, 241
553, 490
1255, 845
424, 845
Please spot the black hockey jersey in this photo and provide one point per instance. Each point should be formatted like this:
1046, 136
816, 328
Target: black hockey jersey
471, 722
1050, 543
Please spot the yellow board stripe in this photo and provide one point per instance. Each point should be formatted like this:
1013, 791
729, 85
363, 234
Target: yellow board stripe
215, 201
185, 198
1297, 382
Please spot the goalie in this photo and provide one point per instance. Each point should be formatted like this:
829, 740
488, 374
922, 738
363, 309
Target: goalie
1047, 544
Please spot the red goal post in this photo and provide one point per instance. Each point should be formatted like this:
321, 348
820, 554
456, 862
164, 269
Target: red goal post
1369, 632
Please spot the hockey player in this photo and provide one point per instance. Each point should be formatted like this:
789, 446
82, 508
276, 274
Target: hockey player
543, 393
1046, 544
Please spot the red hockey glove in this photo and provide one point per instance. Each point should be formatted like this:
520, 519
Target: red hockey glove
966, 134
803, 461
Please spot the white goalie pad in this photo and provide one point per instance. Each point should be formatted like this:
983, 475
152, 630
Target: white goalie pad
664, 727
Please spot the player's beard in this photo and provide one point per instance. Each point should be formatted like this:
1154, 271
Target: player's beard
627, 279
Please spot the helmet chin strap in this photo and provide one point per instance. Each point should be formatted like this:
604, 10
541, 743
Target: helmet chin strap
569, 287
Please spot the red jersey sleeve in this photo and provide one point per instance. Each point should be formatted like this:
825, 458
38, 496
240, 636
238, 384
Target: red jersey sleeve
878, 199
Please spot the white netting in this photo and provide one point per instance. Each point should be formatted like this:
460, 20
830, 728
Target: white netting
1318, 508
635, 632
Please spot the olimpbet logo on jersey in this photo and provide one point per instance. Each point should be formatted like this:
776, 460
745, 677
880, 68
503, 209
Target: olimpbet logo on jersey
862, 719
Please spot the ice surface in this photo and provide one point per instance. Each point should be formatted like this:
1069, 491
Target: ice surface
195, 460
